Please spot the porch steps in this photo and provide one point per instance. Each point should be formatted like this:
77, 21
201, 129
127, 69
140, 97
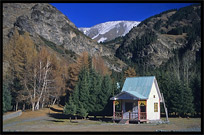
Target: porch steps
124, 121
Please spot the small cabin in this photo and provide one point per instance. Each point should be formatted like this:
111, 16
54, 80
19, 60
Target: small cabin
138, 101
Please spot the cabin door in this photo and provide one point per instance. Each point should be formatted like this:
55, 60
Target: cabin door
142, 109
128, 108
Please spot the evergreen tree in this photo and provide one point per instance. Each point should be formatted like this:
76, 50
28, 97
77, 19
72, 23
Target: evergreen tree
95, 85
6, 98
75, 96
196, 87
176, 99
82, 111
70, 108
83, 85
187, 105
105, 93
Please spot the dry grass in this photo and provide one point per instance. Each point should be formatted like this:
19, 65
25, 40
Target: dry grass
34, 114
49, 123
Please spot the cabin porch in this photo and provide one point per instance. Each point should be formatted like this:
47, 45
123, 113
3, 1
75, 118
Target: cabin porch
131, 110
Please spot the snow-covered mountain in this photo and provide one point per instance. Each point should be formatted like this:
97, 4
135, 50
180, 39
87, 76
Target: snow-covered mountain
109, 30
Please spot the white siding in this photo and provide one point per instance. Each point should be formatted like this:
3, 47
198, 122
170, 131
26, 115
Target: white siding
151, 115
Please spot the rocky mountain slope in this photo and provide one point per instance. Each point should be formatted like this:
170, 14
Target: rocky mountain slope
157, 39
109, 30
48, 25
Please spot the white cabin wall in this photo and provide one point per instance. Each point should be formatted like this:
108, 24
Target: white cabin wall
151, 115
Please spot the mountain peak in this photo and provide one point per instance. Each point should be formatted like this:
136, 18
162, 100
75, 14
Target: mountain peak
109, 30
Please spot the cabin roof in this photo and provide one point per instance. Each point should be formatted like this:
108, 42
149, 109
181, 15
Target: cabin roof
139, 86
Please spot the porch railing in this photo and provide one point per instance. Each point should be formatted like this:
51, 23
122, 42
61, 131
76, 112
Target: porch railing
132, 115
142, 115
118, 115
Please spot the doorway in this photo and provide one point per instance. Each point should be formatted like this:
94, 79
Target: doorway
128, 107
142, 111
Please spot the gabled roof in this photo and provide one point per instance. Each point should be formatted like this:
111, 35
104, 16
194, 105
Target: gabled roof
139, 87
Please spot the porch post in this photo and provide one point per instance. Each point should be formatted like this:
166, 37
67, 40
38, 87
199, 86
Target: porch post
122, 108
114, 109
159, 110
138, 110
146, 109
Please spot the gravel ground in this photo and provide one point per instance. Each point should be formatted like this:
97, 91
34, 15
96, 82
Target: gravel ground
25, 120
47, 123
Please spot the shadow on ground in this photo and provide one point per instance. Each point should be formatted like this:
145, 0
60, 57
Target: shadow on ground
55, 120
101, 119
58, 115
63, 116
55, 110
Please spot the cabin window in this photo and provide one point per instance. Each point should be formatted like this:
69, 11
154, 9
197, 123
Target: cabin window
155, 107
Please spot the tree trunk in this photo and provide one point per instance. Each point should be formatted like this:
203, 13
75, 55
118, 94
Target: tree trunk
33, 106
42, 106
37, 105
43, 102
16, 106
54, 101
24, 107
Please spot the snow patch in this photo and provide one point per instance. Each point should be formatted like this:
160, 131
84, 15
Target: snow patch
85, 30
95, 36
129, 25
102, 39
103, 28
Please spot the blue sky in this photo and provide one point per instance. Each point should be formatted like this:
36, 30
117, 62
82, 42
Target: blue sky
90, 14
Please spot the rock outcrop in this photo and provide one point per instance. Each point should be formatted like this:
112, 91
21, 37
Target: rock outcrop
43, 21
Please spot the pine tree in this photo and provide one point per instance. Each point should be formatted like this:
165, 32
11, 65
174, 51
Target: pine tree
196, 88
82, 111
6, 98
188, 106
105, 93
177, 97
75, 96
95, 85
84, 88
70, 108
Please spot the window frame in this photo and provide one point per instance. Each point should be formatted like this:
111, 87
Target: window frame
156, 107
